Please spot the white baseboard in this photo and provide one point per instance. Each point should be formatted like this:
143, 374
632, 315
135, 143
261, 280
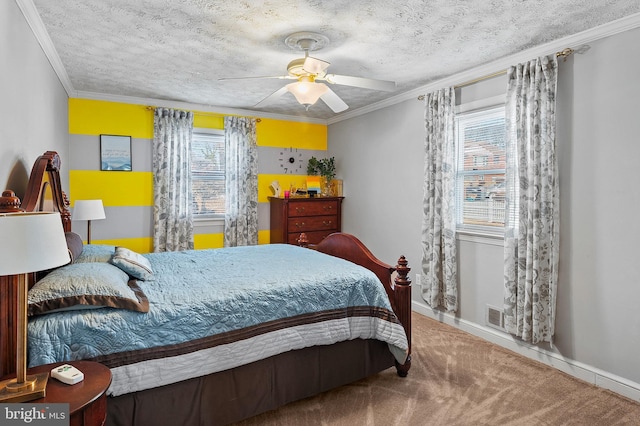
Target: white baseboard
581, 371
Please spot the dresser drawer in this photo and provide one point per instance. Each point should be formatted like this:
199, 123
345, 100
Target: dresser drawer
312, 223
313, 208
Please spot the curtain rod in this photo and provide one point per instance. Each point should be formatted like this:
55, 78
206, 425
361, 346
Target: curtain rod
564, 54
214, 114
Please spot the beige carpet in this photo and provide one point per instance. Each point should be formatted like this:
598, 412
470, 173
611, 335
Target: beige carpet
460, 379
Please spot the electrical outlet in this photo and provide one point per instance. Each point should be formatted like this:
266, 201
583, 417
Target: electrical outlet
418, 281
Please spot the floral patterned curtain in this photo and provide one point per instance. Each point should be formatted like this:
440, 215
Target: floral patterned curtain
439, 264
531, 224
241, 195
172, 212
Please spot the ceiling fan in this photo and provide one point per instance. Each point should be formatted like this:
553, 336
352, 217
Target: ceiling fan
309, 71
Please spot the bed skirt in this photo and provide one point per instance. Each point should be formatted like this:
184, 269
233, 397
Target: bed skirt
232, 395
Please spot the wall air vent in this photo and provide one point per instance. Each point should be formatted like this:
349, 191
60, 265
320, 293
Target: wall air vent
494, 317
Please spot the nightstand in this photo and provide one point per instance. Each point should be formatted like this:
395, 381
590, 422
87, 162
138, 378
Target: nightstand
87, 400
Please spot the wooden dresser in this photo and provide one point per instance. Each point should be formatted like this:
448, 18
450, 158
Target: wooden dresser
317, 217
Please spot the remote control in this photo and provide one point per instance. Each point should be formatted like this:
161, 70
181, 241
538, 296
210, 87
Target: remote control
67, 374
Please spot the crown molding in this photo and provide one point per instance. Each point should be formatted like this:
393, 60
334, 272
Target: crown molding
32, 17
193, 107
574, 41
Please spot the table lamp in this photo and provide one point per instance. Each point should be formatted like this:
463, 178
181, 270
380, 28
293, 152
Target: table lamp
88, 210
31, 242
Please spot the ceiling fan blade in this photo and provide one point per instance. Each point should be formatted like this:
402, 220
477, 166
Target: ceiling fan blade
366, 83
315, 65
333, 101
272, 97
281, 77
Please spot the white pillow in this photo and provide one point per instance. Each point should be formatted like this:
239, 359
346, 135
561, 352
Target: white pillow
132, 263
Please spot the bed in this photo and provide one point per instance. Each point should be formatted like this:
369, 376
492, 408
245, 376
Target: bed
277, 324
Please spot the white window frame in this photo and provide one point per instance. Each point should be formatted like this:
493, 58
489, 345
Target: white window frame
206, 220
468, 231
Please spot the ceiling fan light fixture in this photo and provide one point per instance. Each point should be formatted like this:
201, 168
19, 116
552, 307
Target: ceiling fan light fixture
309, 70
306, 91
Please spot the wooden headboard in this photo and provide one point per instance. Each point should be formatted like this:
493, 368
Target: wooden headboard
44, 193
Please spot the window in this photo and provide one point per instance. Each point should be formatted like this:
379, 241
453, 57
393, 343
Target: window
480, 189
207, 172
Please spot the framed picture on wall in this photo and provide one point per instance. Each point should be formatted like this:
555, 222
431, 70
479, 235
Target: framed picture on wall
115, 153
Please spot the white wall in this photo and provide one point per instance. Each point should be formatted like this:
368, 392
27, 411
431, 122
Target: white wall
380, 158
598, 319
33, 103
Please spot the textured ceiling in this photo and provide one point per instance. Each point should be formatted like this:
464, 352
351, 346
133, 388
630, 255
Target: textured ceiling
178, 49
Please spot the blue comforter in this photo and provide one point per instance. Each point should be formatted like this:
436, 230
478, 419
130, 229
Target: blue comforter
203, 293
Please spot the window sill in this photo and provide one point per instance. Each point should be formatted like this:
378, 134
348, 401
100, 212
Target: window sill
208, 221
481, 236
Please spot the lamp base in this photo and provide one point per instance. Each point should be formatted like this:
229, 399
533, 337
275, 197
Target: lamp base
34, 387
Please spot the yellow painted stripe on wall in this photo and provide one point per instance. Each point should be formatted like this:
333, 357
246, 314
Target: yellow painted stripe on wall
208, 121
214, 241
200, 242
286, 182
285, 134
208, 241
264, 236
113, 188
93, 117
139, 245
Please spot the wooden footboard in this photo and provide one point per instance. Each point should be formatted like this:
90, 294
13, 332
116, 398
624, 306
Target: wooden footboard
348, 247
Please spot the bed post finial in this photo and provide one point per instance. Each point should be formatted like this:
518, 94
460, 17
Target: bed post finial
403, 303
9, 203
403, 270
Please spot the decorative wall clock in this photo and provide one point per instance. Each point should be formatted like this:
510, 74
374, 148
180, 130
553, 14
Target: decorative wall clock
293, 161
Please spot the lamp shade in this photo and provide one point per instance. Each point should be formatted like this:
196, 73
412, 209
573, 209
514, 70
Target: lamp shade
88, 210
307, 92
31, 242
